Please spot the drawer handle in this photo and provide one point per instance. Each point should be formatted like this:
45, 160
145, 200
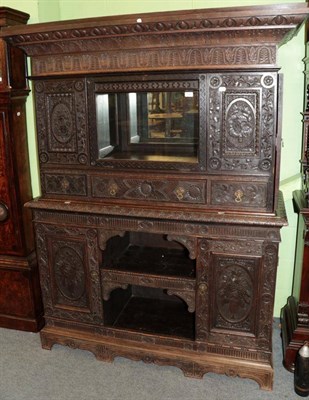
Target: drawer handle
239, 194
180, 192
113, 189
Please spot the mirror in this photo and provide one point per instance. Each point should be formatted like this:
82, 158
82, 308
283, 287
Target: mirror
155, 122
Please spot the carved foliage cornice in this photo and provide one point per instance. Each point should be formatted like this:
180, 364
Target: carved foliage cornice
186, 39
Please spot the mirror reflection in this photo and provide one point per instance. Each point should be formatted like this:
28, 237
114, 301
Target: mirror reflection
161, 123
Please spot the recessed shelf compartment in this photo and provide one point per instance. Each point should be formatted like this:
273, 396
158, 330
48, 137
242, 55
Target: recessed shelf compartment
149, 310
148, 284
148, 260
145, 253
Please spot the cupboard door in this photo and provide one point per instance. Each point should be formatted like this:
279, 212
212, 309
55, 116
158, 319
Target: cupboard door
69, 269
235, 281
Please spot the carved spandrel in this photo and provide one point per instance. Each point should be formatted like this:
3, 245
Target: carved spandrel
188, 242
187, 296
105, 235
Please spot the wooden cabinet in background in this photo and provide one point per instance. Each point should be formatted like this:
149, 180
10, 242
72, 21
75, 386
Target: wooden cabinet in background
158, 227
20, 296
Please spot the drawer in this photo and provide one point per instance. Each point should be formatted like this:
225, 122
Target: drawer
239, 194
161, 190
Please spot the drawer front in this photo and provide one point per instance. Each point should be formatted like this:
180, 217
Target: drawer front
163, 190
239, 194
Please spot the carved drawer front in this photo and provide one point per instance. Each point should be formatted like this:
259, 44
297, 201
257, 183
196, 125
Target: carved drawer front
64, 184
239, 194
166, 190
68, 262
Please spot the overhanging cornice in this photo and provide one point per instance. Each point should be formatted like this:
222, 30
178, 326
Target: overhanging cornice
242, 37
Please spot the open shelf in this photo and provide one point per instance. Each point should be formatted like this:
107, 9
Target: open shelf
155, 261
151, 311
149, 255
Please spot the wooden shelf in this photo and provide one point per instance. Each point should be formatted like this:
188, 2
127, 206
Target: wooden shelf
149, 315
154, 261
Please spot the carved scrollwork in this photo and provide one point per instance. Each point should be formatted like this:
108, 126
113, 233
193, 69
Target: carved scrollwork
149, 190
187, 296
188, 242
245, 193
109, 286
105, 234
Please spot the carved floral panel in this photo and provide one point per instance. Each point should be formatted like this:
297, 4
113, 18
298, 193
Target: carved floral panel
242, 122
69, 272
61, 121
235, 293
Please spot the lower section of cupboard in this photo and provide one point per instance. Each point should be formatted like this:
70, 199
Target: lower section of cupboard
193, 363
196, 295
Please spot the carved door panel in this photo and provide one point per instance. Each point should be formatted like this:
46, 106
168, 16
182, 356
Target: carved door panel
242, 134
69, 269
235, 292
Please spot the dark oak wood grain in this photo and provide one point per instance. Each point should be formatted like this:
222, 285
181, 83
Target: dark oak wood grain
149, 253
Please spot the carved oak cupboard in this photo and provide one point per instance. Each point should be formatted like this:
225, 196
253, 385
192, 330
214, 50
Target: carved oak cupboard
20, 296
159, 222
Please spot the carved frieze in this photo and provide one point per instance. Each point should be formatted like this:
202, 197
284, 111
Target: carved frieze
115, 44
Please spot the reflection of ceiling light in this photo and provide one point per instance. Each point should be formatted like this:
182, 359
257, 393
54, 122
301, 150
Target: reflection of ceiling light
188, 94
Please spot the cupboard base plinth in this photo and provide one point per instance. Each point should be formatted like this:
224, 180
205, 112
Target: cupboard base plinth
193, 364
